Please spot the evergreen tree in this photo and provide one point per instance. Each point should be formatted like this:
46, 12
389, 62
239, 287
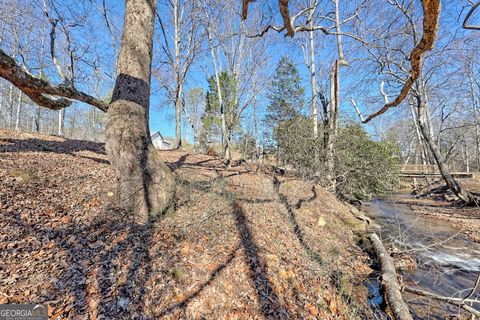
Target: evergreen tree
286, 94
211, 122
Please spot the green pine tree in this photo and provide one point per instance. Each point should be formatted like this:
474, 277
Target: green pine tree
211, 122
286, 97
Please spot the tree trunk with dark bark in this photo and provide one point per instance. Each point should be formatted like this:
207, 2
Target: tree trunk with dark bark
145, 184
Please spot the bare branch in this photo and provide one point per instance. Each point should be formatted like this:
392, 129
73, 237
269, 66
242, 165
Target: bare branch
37, 89
469, 14
455, 301
245, 8
475, 287
284, 11
357, 110
382, 91
431, 14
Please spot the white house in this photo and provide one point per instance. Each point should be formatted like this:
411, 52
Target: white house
159, 142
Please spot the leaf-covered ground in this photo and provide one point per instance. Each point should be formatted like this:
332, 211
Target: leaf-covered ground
240, 245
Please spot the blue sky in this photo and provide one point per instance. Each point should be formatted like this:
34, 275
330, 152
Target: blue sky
162, 112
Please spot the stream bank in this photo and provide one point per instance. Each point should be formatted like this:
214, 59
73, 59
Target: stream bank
439, 258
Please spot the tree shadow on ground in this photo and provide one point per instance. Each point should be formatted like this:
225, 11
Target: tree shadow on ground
66, 146
215, 273
107, 262
269, 301
177, 164
293, 217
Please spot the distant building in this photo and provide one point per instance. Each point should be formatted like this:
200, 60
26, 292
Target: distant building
160, 143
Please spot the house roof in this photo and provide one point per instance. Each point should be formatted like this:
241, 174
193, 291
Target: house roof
156, 135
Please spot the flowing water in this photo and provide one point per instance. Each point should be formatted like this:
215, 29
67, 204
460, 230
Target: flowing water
448, 262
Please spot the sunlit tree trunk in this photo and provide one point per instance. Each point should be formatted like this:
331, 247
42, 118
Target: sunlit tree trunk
421, 145
313, 84
225, 141
145, 184
476, 120
332, 127
36, 126
10, 108
19, 111
61, 121
178, 80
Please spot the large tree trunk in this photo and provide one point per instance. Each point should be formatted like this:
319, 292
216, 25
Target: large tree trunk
145, 184
452, 184
389, 281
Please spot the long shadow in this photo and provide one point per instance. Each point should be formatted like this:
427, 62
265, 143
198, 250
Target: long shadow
272, 308
293, 218
213, 276
177, 164
115, 299
63, 147
39, 145
270, 303
181, 163
130, 297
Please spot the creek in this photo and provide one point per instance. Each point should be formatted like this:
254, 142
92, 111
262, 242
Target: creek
447, 261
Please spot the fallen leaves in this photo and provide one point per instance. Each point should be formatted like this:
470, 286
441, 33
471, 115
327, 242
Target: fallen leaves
63, 241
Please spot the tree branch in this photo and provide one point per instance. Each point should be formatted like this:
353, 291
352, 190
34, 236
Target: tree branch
459, 302
469, 14
431, 14
287, 22
37, 89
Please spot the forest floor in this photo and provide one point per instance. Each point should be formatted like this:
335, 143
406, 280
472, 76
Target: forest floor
240, 245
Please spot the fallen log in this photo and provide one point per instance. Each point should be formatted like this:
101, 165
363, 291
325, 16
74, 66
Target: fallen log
389, 281
459, 302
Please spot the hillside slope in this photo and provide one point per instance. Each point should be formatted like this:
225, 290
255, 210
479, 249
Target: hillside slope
240, 245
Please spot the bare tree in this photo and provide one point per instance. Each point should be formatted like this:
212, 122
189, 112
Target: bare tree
244, 58
186, 38
415, 85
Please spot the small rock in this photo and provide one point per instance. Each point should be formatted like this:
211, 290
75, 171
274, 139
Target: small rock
321, 222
